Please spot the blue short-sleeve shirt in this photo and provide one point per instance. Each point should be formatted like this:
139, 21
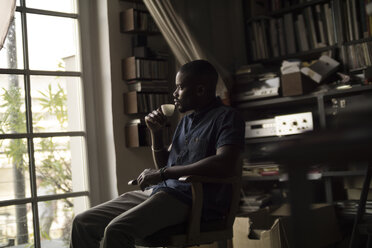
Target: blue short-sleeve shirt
199, 135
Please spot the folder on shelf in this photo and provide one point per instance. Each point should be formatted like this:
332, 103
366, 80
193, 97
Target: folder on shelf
321, 69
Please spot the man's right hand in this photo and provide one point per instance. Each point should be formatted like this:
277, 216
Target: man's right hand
156, 120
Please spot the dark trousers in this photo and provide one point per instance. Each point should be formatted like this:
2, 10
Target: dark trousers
132, 215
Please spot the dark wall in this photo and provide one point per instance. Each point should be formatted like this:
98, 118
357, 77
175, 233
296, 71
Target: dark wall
218, 27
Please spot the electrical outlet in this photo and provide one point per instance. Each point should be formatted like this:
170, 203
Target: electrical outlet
294, 123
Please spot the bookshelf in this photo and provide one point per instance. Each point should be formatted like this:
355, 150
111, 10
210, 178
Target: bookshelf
146, 74
278, 30
306, 29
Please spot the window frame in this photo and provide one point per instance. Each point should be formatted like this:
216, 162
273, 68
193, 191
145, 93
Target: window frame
34, 199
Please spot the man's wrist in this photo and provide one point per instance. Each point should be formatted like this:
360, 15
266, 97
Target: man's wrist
162, 175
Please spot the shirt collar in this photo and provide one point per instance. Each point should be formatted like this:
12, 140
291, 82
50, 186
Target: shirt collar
198, 114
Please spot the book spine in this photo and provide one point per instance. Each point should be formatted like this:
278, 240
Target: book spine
283, 50
363, 18
329, 21
319, 21
301, 29
274, 38
289, 32
349, 20
355, 19
311, 27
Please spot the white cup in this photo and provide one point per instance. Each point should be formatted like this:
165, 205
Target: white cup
167, 109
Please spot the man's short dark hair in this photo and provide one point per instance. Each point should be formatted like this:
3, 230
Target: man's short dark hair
200, 70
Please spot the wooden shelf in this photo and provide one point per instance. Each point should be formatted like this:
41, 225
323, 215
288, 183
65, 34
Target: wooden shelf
354, 89
304, 98
261, 178
309, 53
344, 173
311, 176
353, 42
272, 139
275, 101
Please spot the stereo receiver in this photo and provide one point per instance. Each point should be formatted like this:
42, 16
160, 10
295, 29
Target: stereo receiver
279, 125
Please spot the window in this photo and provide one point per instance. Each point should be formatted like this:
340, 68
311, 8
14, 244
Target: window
43, 176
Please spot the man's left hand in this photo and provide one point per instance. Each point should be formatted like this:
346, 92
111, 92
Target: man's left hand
149, 177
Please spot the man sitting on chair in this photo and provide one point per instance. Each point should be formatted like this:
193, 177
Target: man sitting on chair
207, 142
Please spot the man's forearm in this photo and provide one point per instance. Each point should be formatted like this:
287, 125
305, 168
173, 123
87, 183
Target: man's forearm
219, 165
159, 152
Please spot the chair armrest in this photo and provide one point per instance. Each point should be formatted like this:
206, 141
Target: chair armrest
204, 179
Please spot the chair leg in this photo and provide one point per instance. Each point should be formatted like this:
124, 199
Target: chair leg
361, 207
368, 241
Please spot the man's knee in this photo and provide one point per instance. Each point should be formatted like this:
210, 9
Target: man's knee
115, 233
79, 219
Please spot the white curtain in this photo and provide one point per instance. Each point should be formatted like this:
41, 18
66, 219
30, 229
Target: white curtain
7, 10
183, 45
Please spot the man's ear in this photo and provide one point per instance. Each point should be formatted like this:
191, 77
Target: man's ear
200, 90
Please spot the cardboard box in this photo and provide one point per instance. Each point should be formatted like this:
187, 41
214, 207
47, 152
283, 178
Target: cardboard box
354, 186
270, 228
355, 182
296, 83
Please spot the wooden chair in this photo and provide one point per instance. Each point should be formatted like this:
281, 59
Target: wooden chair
196, 232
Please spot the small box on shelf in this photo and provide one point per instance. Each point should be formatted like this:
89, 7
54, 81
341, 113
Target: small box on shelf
294, 84
138, 135
271, 227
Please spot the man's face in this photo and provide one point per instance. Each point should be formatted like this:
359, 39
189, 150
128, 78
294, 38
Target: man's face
185, 97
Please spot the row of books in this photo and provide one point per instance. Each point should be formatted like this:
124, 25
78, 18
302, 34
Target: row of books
350, 207
311, 28
143, 68
253, 202
141, 102
359, 56
134, 20
260, 169
357, 23
160, 86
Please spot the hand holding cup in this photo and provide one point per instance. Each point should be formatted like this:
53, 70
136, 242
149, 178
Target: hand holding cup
167, 109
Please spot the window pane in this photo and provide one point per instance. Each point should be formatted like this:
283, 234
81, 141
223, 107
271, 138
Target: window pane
53, 43
16, 228
60, 165
11, 55
14, 172
12, 104
67, 6
56, 219
56, 104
